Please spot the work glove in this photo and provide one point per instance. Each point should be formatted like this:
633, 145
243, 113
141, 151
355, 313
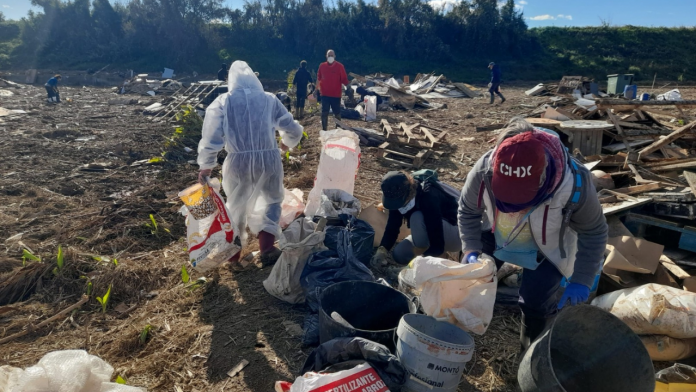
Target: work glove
576, 293
203, 175
471, 258
379, 260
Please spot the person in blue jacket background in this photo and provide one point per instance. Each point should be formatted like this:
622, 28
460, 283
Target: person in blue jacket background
52, 88
494, 85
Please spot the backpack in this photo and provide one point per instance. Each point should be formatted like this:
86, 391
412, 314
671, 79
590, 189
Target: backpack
428, 176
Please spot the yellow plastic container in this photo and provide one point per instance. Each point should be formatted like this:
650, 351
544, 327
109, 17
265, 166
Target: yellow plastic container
199, 201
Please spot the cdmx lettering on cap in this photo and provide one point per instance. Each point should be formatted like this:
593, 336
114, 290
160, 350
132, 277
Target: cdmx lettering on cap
519, 171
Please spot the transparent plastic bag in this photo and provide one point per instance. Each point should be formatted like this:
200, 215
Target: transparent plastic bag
461, 294
292, 207
653, 309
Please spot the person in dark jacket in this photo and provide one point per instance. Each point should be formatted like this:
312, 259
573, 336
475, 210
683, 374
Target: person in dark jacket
429, 211
300, 81
528, 203
494, 85
52, 88
222, 73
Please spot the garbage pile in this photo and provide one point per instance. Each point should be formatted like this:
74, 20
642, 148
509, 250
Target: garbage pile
140, 84
400, 94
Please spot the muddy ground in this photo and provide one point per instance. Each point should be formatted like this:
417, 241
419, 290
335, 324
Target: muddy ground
101, 212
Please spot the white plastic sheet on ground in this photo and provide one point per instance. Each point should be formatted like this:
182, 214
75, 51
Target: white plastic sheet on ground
293, 205
653, 309
671, 95
297, 242
338, 166
63, 371
370, 108
461, 294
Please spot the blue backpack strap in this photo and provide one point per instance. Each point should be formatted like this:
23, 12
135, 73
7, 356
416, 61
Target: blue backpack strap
576, 198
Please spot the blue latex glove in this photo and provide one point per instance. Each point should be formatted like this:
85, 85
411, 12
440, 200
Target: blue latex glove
576, 293
472, 258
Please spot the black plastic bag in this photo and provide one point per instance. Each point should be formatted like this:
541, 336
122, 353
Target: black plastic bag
677, 374
332, 266
311, 330
341, 350
362, 237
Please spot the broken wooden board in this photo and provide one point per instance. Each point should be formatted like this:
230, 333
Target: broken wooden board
403, 155
609, 103
690, 177
467, 90
238, 368
616, 147
543, 122
613, 208
668, 139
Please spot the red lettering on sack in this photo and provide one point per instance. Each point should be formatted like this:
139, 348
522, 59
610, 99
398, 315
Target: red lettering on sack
367, 377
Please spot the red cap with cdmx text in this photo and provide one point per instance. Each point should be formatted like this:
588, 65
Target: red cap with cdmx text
519, 163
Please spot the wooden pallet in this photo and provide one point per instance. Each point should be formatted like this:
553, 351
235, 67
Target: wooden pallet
406, 156
414, 135
192, 96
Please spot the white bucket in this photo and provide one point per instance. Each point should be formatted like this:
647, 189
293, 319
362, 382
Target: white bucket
434, 353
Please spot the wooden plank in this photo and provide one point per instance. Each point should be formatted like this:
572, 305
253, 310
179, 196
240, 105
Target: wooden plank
542, 121
634, 190
691, 179
434, 84
605, 103
667, 139
429, 135
673, 267
677, 166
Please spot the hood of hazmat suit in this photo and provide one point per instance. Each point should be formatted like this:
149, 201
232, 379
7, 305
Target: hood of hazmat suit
244, 122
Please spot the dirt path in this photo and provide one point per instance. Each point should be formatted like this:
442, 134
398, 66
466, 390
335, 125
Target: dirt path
47, 199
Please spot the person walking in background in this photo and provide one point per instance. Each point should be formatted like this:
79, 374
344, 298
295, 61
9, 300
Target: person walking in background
300, 81
529, 203
244, 121
52, 88
222, 73
494, 85
330, 79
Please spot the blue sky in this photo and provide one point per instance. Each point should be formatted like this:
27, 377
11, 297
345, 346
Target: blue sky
539, 12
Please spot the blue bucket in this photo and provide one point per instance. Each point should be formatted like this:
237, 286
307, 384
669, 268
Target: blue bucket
630, 91
645, 97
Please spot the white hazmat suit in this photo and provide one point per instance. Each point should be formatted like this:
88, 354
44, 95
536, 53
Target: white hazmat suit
244, 121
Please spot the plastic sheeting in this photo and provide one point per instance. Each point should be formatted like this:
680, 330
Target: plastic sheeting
244, 121
341, 350
335, 201
63, 371
653, 309
461, 294
292, 207
361, 237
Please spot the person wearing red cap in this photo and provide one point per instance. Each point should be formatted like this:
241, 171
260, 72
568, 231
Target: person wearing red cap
528, 203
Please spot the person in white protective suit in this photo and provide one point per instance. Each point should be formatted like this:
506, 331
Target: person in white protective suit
244, 122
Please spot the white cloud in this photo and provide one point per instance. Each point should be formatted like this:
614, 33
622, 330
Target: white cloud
551, 17
523, 2
543, 17
6, 6
443, 4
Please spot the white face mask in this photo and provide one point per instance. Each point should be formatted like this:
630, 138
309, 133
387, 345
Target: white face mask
330, 59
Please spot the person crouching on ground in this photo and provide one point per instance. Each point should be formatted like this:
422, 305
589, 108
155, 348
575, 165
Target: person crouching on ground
52, 88
243, 121
331, 78
429, 211
528, 203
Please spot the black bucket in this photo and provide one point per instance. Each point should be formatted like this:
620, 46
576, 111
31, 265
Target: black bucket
374, 310
587, 349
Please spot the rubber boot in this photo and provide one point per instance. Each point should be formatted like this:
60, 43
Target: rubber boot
531, 329
301, 113
502, 98
269, 253
492, 98
324, 120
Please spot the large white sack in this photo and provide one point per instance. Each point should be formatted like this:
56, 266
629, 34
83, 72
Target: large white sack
461, 294
653, 309
338, 166
297, 242
67, 371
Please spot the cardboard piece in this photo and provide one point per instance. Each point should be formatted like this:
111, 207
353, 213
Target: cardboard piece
378, 220
632, 254
690, 284
553, 114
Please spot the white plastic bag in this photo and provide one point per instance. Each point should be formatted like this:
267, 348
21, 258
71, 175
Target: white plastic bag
461, 294
65, 371
335, 201
338, 165
664, 348
298, 241
292, 207
671, 95
211, 239
653, 309
360, 378
370, 108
